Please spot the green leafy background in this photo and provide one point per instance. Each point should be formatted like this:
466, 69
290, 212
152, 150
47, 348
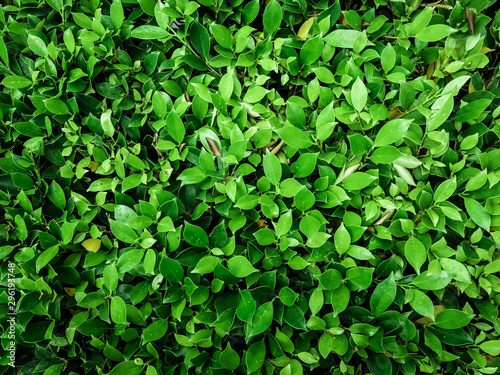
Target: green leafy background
257, 187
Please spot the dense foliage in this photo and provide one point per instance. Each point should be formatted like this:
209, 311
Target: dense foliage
257, 187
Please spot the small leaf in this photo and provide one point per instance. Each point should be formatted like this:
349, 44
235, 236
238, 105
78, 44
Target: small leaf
383, 295
415, 253
422, 304
272, 168
294, 137
16, 82
175, 127
92, 244
388, 58
229, 359
359, 95
445, 190
434, 33
452, 319
106, 123
311, 51
342, 38
391, 132
148, 32
239, 266
171, 269
262, 320
491, 347
304, 29
122, 232
200, 39
56, 106
116, 12
255, 357
155, 330
195, 236
342, 239
478, 213
272, 17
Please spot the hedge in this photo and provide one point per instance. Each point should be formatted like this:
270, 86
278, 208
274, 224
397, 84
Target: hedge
249, 187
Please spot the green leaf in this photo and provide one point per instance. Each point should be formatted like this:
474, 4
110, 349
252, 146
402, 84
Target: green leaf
311, 51
206, 265
358, 181
342, 38
359, 95
305, 165
148, 32
247, 306
342, 239
294, 317
200, 39
407, 95
122, 231
477, 181
56, 106
295, 115
316, 301
255, 357
255, 94
265, 236
491, 347
175, 127
226, 87
222, 35
118, 310
434, 33
386, 155
391, 132
284, 223
128, 368
415, 253
294, 137
383, 295
422, 304
155, 331
171, 269
435, 281
477, 213
272, 168
229, 359
287, 296
16, 82
37, 46
247, 202
471, 110
106, 123
453, 319
46, 256
441, 110
360, 277
116, 13
110, 276
330, 279
420, 21
239, 266
445, 190
272, 17
388, 58
195, 236
262, 320
56, 195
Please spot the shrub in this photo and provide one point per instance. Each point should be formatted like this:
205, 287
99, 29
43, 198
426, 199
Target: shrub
254, 187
